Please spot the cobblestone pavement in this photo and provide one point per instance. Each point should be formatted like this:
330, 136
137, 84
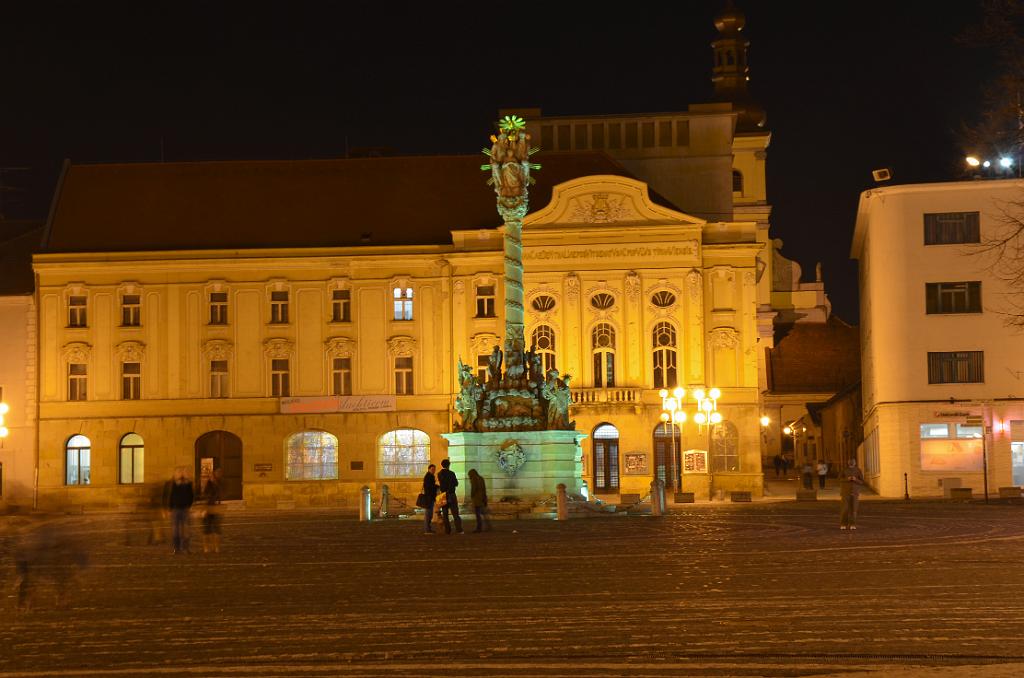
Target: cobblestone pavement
763, 589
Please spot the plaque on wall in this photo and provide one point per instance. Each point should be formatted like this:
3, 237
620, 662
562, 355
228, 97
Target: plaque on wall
634, 464
695, 461
262, 468
327, 404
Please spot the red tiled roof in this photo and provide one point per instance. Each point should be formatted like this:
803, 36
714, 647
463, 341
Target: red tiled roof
294, 203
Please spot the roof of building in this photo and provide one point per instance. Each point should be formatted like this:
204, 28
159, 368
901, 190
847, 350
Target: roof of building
16, 275
289, 203
815, 358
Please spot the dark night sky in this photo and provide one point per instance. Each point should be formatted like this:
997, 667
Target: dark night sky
848, 87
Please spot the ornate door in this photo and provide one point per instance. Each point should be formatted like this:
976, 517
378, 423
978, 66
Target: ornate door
606, 459
220, 450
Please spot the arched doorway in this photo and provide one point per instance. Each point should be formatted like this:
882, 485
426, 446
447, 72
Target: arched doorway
220, 450
606, 459
666, 454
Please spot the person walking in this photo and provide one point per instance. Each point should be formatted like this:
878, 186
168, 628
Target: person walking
851, 480
429, 497
179, 502
822, 472
778, 463
807, 472
447, 481
214, 513
478, 495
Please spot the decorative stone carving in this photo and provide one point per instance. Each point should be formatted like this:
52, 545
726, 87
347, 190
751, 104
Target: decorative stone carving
724, 337
511, 457
483, 342
748, 278
572, 287
602, 208
467, 403
401, 346
278, 349
694, 281
130, 351
459, 286
217, 349
76, 352
633, 287
340, 347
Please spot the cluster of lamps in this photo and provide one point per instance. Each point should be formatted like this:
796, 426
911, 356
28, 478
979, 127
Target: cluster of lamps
707, 406
4, 409
974, 161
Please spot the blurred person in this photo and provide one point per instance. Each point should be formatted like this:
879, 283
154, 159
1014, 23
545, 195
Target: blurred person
179, 503
47, 551
851, 480
478, 497
807, 473
214, 512
822, 473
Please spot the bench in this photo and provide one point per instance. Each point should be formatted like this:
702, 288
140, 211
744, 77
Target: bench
739, 496
961, 493
806, 495
684, 498
1012, 492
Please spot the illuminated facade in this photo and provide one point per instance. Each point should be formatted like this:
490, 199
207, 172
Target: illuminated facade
941, 371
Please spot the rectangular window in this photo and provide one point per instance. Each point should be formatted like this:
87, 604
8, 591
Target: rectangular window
341, 376
279, 386
952, 228
218, 308
403, 376
665, 133
341, 306
77, 466
951, 447
615, 135
956, 367
597, 136
682, 132
279, 307
953, 297
485, 301
77, 378
132, 464
76, 312
647, 130
131, 381
403, 303
131, 310
482, 362
218, 378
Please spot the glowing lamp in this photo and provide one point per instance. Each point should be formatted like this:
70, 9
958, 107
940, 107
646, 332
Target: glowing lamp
698, 394
663, 393
716, 417
765, 420
679, 416
986, 164
671, 404
679, 393
972, 161
699, 418
4, 408
664, 416
787, 431
3, 431
707, 406
714, 394
1005, 163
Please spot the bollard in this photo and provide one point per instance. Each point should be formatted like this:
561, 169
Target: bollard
585, 491
365, 505
661, 493
656, 509
563, 504
385, 501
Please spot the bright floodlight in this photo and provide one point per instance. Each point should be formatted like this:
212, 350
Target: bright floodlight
986, 164
679, 393
699, 418
765, 420
4, 409
972, 161
714, 394
787, 430
1005, 162
663, 393
716, 417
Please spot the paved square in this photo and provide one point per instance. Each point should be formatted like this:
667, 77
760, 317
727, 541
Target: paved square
762, 589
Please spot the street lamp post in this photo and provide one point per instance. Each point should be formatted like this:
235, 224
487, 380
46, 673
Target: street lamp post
706, 417
674, 417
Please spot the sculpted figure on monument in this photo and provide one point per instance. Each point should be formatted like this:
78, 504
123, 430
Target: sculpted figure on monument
534, 362
467, 403
556, 392
494, 366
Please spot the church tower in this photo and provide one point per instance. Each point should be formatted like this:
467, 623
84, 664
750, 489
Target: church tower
730, 70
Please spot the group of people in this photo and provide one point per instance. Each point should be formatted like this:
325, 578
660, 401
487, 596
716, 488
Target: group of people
179, 496
440, 502
809, 470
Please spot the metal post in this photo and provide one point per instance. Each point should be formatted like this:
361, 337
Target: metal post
984, 456
385, 501
677, 455
711, 470
562, 503
906, 488
364, 505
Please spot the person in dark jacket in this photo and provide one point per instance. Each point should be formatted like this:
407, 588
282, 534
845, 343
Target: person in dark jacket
448, 482
179, 502
430, 494
478, 497
214, 513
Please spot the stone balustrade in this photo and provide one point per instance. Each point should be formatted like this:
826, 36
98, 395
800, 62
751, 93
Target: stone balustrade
594, 396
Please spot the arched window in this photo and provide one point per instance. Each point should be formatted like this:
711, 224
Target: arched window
76, 456
543, 303
311, 455
667, 444
603, 340
404, 453
602, 301
737, 181
544, 339
403, 303
606, 458
663, 299
664, 343
725, 447
131, 459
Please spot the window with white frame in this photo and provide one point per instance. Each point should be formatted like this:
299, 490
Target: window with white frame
543, 341
131, 459
725, 447
404, 453
131, 381
341, 306
78, 376
131, 310
311, 455
76, 311
664, 343
279, 378
218, 378
76, 460
603, 343
218, 308
403, 376
403, 303
341, 376
279, 307
485, 301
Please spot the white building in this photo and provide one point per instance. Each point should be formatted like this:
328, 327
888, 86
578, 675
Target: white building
937, 353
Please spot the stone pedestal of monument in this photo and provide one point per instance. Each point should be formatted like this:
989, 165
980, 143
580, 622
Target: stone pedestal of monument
548, 458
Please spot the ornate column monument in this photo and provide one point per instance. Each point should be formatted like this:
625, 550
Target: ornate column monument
514, 426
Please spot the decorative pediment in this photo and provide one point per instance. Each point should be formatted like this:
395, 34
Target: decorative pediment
130, 351
724, 337
340, 347
483, 343
278, 349
604, 199
401, 346
76, 352
218, 349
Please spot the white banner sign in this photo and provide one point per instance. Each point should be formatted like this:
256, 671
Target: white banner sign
322, 404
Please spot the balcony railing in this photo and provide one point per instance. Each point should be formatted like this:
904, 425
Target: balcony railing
601, 396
